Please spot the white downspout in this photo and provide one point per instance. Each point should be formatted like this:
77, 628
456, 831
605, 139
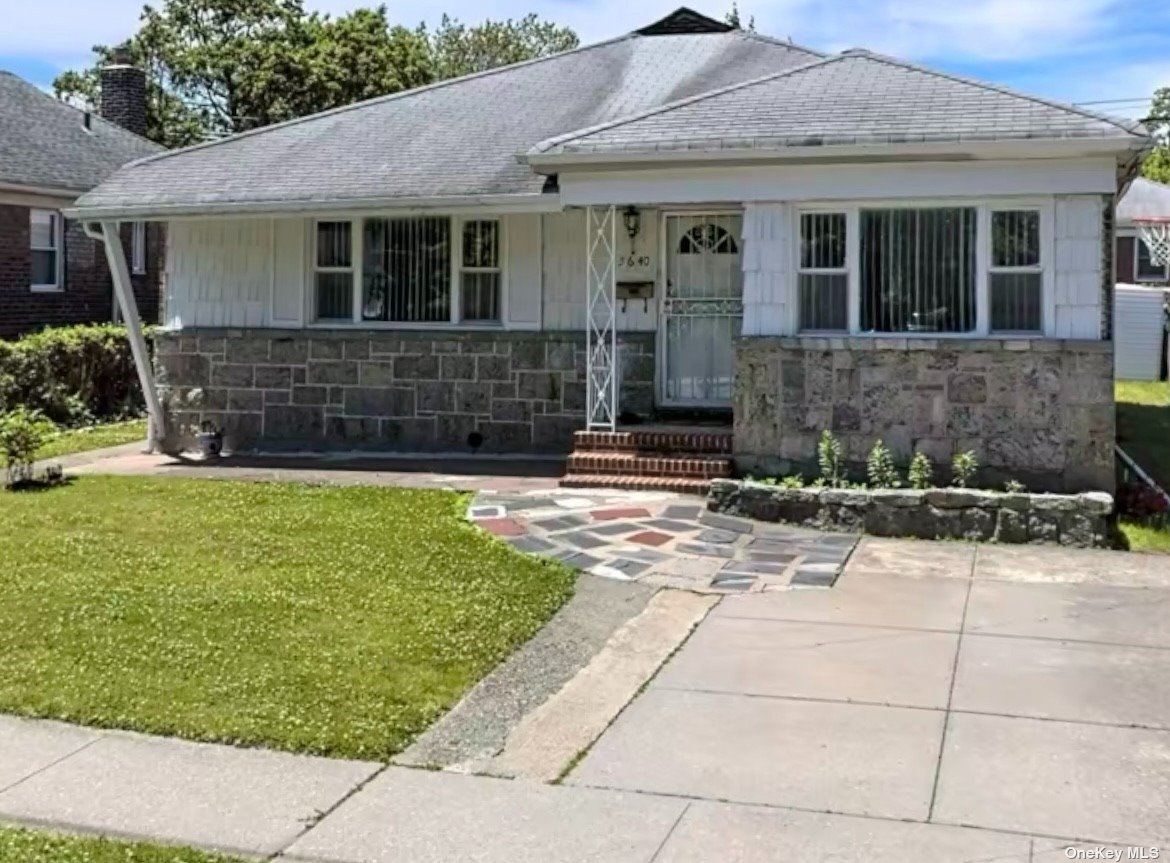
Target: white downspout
124, 292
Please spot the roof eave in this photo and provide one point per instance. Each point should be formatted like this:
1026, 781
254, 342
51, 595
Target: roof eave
1026, 148
515, 203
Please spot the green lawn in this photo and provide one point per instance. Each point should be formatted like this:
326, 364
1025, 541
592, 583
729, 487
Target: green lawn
71, 441
339, 621
1143, 425
25, 846
1140, 537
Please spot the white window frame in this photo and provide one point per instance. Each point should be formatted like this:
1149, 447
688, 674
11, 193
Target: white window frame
455, 320
138, 249
845, 270
1137, 276
992, 269
983, 208
57, 286
457, 298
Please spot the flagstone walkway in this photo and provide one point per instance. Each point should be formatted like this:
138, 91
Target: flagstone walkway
661, 539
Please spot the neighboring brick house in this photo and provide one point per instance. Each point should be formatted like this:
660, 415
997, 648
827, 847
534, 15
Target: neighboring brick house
51, 272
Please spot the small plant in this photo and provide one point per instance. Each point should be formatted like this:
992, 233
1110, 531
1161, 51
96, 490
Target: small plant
830, 460
22, 433
921, 473
1013, 486
880, 467
793, 481
963, 467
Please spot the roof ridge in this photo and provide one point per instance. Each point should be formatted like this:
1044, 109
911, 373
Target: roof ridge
375, 100
557, 140
784, 43
1125, 126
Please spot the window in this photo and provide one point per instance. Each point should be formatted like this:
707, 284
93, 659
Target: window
918, 270
333, 276
406, 270
1145, 270
138, 249
45, 242
823, 279
479, 274
1015, 273
707, 237
409, 270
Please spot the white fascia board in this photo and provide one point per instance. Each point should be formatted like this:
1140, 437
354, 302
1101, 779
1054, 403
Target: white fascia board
833, 153
42, 197
530, 203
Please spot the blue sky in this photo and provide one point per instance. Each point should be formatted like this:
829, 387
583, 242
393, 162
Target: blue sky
1071, 50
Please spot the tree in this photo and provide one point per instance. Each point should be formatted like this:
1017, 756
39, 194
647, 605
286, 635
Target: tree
217, 67
457, 49
1157, 164
733, 19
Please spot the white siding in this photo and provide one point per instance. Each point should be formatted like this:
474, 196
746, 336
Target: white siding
767, 269
523, 270
698, 185
1078, 276
219, 273
564, 270
289, 261
1137, 332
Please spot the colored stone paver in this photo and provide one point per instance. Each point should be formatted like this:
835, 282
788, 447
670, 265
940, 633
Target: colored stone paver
662, 539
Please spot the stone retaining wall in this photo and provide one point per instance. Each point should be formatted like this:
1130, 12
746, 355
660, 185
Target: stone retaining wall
319, 389
1081, 520
1040, 411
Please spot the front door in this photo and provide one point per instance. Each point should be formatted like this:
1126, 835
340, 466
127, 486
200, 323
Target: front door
702, 309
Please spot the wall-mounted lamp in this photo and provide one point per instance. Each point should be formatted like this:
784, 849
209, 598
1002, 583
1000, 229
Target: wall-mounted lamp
632, 219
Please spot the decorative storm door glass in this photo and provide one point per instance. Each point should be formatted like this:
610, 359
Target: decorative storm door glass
703, 309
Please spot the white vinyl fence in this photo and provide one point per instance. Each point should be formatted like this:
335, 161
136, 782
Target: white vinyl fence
1139, 323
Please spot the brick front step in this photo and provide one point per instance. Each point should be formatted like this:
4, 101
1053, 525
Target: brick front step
682, 485
654, 441
633, 464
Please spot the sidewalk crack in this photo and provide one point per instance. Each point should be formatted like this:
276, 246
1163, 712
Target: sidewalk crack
670, 832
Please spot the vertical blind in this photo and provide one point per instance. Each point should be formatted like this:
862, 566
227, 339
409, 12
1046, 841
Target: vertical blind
918, 270
1015, 275
823, 280
406, 270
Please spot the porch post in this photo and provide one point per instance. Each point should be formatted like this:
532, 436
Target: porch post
601, 392
124, 291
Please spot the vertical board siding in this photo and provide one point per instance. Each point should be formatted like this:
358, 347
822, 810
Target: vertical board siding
1137, 328
522, 239
219, 273
768, 300
1078, 267
288, 272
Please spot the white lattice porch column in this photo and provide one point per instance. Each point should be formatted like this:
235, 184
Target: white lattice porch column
601, 392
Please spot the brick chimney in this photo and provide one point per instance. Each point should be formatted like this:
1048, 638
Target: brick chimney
124, 92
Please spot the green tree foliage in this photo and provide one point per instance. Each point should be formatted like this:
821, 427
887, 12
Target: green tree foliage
734, 20
1157, 164
217, 67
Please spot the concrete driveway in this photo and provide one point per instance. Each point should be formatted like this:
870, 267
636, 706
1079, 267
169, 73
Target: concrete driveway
942, 702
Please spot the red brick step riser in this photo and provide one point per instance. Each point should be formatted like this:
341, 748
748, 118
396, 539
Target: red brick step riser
636, 465
637, 483
707, 443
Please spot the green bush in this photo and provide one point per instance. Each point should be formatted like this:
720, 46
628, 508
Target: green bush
22, 433
73, 375
964, 466
830, 460
921, 473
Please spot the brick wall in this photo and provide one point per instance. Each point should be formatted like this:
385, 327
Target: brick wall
1039, 411
415, 391
88, 290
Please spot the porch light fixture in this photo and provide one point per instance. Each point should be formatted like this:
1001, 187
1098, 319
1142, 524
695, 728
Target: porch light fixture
632, 219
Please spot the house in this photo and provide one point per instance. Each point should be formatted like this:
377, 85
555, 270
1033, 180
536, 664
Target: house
51, 273
1144, 199
685, 222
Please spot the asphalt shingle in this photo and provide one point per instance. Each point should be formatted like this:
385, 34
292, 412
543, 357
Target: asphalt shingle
852, 98
44, 143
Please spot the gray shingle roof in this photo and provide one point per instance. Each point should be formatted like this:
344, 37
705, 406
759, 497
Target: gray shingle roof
1145, 198
852, 98
43, 142
455, 138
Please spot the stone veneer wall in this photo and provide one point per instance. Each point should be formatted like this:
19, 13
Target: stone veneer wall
406, 390
1039, 411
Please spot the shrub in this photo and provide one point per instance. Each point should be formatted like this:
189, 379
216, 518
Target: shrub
921, 473
830, 460
73, 375
792, 481
963, 468
1013, 486
22, 433
880, 467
